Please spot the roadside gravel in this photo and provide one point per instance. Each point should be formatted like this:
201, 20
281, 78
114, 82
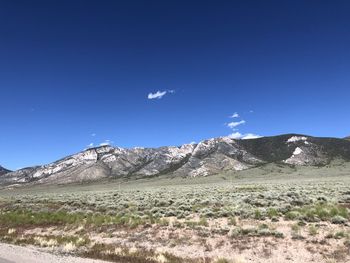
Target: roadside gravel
18, 254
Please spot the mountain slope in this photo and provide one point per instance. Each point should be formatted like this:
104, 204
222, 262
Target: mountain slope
347, 138
202, 159
3, 170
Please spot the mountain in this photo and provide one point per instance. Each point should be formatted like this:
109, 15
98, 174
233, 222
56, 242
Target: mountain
205, 158
347, 138
3, 170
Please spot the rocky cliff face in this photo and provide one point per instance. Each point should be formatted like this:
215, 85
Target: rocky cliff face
205, 158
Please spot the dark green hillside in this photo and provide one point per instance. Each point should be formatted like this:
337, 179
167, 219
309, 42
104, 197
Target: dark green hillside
276, 148
3, 170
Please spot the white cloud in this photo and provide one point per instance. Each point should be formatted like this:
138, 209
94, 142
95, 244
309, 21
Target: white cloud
93, 134
106, 142
238, 135
235, 135
250, 136
157, 95
234, 124
234, 115
91, 145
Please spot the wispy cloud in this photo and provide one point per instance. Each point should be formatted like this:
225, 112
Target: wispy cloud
91, 145
93, 134
250, 136
236, 133
247, 136
159, 94
106, 142
234, 124
234, 115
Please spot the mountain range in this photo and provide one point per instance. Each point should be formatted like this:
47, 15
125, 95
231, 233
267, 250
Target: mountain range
205, 158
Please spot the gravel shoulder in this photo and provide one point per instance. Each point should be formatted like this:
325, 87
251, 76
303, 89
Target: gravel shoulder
18, 254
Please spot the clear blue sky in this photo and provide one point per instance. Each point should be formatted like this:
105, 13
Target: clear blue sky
79, 72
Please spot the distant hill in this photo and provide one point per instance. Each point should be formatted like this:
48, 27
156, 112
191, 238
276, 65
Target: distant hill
347, 138
208, 157
3, 170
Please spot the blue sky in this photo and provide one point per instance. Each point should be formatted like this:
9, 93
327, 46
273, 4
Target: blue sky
74, 73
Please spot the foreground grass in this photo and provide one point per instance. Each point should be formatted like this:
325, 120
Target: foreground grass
337, 214
25, 218
334, 213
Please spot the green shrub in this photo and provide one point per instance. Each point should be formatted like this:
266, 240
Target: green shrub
292, 215
338, 219
313, 230
272, 212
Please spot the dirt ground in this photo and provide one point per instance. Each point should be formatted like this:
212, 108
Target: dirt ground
18, 254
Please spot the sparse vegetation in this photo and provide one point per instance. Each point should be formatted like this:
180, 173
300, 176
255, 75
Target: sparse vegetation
313, 230
115, 224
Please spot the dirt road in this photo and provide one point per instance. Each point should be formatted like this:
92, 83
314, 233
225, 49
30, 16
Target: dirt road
18, 254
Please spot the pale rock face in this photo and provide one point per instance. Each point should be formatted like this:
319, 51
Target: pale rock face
87, 156
119, 150
105, 149
201, 171
188, 148
240, 166
203, 147
108, 158
297, 151
231, 164
227, 140
176, 152
294, 159
296, 139
306, 155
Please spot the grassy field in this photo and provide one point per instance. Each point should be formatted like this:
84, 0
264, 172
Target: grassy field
268, 214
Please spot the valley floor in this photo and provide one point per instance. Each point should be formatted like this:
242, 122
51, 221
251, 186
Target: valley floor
270, 214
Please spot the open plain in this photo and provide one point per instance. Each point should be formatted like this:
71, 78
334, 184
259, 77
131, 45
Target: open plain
272, 213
